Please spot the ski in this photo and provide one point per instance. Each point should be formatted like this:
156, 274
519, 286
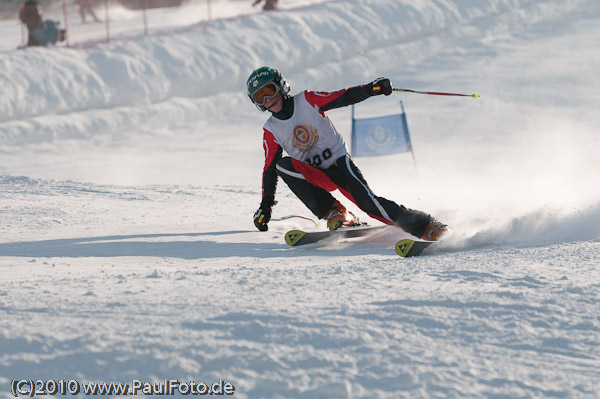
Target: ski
407, 247
296, 238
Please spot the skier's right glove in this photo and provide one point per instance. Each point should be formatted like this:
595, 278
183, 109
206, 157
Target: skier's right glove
261, 218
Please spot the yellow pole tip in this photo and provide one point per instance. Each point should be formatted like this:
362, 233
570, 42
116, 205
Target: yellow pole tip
475, 95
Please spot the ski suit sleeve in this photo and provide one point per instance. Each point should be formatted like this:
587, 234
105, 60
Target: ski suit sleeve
273, 153
337, 99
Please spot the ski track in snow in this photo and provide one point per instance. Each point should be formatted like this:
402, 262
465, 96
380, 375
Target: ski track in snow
127, 248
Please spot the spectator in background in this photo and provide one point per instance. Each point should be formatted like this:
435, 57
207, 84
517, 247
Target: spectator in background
40, 32
86, 6
30, 14
269, 4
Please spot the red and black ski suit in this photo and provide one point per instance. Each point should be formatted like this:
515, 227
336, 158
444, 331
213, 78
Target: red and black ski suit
319, 161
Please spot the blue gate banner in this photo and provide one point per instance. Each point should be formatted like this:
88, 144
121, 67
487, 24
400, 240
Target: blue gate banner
382, 135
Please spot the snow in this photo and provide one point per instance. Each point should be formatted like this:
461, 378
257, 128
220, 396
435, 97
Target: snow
130, 172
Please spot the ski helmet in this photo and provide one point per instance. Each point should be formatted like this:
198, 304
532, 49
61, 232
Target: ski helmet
263, 77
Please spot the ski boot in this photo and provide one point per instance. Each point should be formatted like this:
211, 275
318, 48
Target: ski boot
434, 230
338, 217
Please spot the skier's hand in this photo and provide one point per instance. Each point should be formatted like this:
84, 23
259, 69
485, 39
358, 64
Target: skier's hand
380, 86
261, 218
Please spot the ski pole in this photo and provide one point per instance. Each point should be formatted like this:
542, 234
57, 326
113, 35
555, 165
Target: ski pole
293, 216
434, 93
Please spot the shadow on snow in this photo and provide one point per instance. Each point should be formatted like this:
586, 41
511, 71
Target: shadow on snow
142, 245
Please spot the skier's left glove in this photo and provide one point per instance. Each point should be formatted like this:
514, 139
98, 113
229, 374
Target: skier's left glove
262, 217
380, 86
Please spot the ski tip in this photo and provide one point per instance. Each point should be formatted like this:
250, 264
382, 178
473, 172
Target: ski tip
407, 247
403, 247
292, 237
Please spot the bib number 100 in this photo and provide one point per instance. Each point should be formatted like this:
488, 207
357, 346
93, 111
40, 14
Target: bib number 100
317, 160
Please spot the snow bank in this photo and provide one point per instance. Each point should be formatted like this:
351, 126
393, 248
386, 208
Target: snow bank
217, 59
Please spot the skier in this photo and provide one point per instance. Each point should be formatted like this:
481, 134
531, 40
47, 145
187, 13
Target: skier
318, 160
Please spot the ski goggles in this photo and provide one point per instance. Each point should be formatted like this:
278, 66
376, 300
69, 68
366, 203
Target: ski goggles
261, 95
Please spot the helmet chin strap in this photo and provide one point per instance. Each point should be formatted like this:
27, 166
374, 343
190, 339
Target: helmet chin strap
287, 108
280, 99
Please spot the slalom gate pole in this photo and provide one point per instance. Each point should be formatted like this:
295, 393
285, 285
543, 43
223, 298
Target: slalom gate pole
434, 93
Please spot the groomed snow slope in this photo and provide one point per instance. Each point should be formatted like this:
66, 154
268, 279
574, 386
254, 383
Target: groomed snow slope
130, 173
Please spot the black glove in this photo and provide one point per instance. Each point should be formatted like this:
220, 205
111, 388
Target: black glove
261, 218
380, 86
